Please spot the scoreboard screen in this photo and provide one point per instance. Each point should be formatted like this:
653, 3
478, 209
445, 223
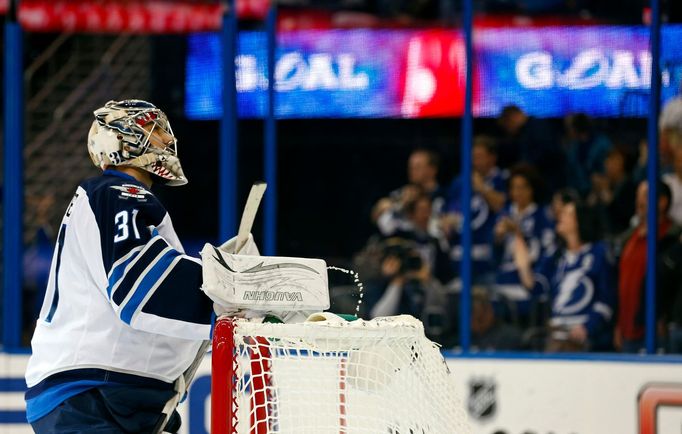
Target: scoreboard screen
603, 71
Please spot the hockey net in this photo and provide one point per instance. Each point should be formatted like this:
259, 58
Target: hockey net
380, 376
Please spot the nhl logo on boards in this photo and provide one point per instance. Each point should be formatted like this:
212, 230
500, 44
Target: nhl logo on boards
482, 403
131, 191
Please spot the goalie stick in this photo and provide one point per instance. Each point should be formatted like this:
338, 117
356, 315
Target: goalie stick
182, 384
249, 214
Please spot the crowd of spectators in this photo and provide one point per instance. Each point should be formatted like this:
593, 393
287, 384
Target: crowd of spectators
558, 224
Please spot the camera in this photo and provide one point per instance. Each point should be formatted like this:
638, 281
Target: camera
406, 252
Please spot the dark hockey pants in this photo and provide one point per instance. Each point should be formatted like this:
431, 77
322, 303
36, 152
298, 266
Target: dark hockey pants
108, 410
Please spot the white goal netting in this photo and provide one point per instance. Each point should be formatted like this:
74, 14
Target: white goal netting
380, 377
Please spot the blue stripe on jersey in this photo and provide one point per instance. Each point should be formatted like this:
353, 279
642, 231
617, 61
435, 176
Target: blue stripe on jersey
119, 270
153, 248
45, 396
178, 296
55, 296
47, 401
149, 281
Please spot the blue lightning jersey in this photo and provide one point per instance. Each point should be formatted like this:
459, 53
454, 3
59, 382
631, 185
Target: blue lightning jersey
122, 305
581, 286
482, 224
538, 232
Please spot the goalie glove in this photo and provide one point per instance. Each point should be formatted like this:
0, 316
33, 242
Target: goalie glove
260, 285
249, 248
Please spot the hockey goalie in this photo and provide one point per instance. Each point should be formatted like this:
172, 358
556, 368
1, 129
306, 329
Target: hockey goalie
123, 315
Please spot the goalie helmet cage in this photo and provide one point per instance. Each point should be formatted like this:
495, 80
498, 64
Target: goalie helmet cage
380, 376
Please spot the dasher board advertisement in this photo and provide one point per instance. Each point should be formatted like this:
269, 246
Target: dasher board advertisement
525, 396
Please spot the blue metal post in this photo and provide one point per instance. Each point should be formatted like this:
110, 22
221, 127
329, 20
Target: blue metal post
227, 164
13, 182
652, 176
270, 169
467, 138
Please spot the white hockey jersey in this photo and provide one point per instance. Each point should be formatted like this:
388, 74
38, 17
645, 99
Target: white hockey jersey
123, 304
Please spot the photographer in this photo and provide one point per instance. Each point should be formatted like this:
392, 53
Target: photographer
410, 288
406, 273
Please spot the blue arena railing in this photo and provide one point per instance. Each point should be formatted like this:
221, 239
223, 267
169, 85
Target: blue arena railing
652, 177
228, 169
466, 165
13, 189
270, 139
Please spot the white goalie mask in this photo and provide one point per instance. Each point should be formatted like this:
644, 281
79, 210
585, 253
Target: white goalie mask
135, 133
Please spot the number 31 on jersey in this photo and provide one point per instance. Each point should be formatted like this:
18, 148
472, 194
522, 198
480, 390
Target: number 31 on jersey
122, 220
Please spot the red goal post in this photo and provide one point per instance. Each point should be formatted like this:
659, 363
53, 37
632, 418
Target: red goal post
330, 377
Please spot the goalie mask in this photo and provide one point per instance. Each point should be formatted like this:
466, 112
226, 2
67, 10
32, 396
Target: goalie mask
135, 133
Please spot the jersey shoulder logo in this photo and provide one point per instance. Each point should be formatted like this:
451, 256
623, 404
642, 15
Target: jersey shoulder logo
131, 191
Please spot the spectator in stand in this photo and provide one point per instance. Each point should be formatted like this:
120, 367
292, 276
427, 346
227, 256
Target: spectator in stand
613, 192
670, 138
432, 250
405, 273
632, 267
670, 128
674, 181
487, 333
489, 184
579, 280
521, 217
422, 174
531, 140
559, 199
586, 150
407, 286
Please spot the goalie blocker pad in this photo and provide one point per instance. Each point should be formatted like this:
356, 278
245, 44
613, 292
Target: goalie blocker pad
264, 283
